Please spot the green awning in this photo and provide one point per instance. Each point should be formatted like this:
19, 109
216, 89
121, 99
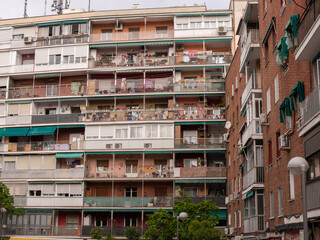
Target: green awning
189, 151
71, 125
160, 43
39, 210
250, 194
72, 99
188, 123
189, 15
215, 151
130, 96
48, 24
200, 181
292, 25
222, 214
241, 166
284, 109
128, 71
99, 98
46, 100
18, 102
215, 122
1, 131
284, 47
10, 132
97, 210
69, 155
208, 67
158, 152
138, 152
268, 30
70, 182
98, 153
103, 45
41, 182
217, 14
298, 90
182, 68
159, 95
130, 44
37, 131
218, 39
75, 21
48, 75
159, 70
191, 40
103, 19
190, 95
127, 210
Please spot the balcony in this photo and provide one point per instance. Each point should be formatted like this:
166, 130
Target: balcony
19, 201
17, 120
254, 82
254, 131
309, 32
166, 201
59, 118
71, 173
54, 201
251, 41
254, 224
203, 58
36, 230
17, 68
114, 230
218, 200
310, 108
255, 175
200, 86
62, 40
47, 91
201, 143
129, 36
313, 195
198, 172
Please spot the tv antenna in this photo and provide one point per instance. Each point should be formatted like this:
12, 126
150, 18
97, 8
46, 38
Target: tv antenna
58, 6
25, 15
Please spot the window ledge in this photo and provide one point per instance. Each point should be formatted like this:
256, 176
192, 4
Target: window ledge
281, 216
291, 200
271, 218
267, 64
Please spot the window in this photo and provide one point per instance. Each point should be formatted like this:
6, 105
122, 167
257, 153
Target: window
270, 151
102, 165
220, 23
265, 6
9, 165
134, 33
229, 159
213, 24
227, 100
268, 100
276, 89
190, 137
166, 131
130, 222
271, 204
192, 25
51, 111
235, 219
131, 192
282, 6
132, 166
198, 24
122, 133
72, 222
151, 131
237, 81
81, 59
182, 26
277, 146
55, 59
51, 90
101, 221
239, 214
232, 88
106, 34
266, 51
314, 163
280, 201
17, 37
191, 191
237, 114
258, 108
292, 195
207, 24
229, 219
190, 163
68, 59
33, 193
135, 132
161, 32
288, 122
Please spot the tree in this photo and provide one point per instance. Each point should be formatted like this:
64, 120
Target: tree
161, 226
132, 233
6, 202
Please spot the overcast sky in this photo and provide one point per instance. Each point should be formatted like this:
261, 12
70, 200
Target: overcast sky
15, 8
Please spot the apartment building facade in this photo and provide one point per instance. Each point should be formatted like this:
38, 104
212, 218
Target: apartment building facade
106, 116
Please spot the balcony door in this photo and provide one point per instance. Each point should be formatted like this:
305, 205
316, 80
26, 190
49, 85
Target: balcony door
134, 33
132, 168
161, 32
190, 137
130, 222
106, 34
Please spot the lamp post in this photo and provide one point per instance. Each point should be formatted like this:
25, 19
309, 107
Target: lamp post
3, 211
299, 165
182, 216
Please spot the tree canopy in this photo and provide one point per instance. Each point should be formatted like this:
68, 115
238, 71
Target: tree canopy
6, 202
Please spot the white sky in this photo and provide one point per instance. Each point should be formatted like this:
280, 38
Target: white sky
15, 8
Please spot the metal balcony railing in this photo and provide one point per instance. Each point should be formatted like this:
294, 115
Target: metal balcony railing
254, 224
310, 107
313, 195
255, 175
253, 83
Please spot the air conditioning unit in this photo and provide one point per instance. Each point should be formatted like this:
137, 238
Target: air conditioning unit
283, 142
118, 145
227, 200
226, 137
108, 146
148, 145
179, 47
119, 26
28, 40
222, 30
263, 119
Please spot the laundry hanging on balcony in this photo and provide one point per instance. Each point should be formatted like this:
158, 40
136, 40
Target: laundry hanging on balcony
75, 87
297, 91
284, 109
292, 32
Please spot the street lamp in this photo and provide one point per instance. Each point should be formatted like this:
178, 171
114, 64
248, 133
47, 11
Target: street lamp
299, 165
182, 216
3, 211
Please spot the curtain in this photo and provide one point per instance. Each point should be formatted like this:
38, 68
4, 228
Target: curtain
66, 29
83, 28
56, 30
75, 87
44, 31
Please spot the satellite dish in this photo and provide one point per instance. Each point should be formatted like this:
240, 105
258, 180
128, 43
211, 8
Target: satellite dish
228, 125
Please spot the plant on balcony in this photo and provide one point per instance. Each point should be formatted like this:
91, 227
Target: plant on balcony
132, 233
96, 233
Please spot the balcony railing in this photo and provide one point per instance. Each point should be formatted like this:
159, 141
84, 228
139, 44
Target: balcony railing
199, 143
255, 175
313, 195
54, 201
252, 38
59, 118
115, 230
62, 40
253, 130
36, 230
47, 91
196, 172
71, 173
253, 83
19, 201
123, 36
307, 19
128, 201
310, 107
254, 224
218, 200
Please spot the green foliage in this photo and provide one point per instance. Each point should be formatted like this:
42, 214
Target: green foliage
200, 230
132, 233
6, 202
108, 237
161, 226
96, 233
